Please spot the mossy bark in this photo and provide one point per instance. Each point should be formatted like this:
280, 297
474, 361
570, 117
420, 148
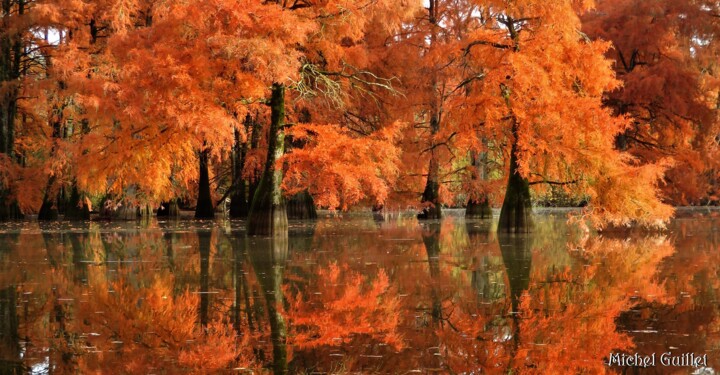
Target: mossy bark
516, 212
267, 211
126, 212
204, 208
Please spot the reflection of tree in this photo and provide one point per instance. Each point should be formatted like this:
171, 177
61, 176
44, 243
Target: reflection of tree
487, 269
10, 359
431, 240
568, 314
74, 317
204, 238
689, 316
268, 256
148, 300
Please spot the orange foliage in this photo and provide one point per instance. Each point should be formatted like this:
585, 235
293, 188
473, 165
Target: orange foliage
338, 169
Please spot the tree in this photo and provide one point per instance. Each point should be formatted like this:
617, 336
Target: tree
665, 54
541, 95
13, 59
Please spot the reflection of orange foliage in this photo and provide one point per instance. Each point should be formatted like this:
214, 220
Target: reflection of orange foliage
568, 330
149, 328
471, 338
343, 305
567, 317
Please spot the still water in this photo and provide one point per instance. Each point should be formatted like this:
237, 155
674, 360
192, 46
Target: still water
357, 294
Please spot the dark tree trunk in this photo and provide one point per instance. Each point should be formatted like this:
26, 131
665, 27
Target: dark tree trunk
11, 45
239, 205
169, 209
49, 208
515, 215
431, 195
76, 209
267, 212
301, 206
204, 208
479, 208
254, 144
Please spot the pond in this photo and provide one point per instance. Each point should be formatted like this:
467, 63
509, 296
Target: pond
358, 294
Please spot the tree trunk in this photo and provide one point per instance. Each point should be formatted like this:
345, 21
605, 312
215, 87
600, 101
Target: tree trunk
254, 143
49, 208
169, 209
479, 208
431, 194
76, 209
267, 212
11, 44
126, 212
204, 208
239, 205
515, 215
145, 211
301, 206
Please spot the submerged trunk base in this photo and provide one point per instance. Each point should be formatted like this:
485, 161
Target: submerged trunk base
301, 206
204, 208
9, 209
169, 209
269, 221
48, 211
479, 210
516, 212
76, 209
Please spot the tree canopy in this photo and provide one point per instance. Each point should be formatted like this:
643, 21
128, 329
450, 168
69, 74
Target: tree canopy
395, 104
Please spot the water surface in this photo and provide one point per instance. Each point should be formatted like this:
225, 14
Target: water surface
354, 295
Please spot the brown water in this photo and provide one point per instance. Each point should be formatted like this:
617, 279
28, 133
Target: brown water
356, 295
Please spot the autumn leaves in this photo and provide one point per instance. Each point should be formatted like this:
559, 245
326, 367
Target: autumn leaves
355, 104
